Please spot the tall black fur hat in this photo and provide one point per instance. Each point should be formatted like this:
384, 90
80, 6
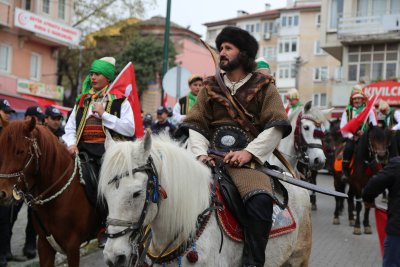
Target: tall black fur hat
240, 38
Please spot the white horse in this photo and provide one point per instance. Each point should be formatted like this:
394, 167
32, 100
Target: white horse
309, 145
124, 183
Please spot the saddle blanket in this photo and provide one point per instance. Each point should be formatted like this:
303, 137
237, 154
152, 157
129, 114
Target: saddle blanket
283, 221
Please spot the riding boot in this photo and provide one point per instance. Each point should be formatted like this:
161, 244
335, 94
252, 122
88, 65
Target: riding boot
255, 243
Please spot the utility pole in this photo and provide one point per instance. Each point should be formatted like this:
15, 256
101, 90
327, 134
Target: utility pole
166, 46
297, 64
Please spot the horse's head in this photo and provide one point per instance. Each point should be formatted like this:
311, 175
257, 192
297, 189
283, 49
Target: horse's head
17, 159
135, 179
127, 184
309, 133
378, 144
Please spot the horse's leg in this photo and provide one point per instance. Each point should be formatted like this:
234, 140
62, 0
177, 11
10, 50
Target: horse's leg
357, 227
338, 185
350, 207
336, 219
367, 227
46, 253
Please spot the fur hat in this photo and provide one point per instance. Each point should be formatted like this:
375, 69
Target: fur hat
240, 38
383, 105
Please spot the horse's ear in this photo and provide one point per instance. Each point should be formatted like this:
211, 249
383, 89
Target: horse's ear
147, 142
307, 106
30, 124
109, 140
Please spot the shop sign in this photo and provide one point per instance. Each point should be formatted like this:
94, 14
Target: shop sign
388, 91
47, 27
50, 91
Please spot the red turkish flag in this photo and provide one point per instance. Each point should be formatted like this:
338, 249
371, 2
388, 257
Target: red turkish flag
125, 86
354, 124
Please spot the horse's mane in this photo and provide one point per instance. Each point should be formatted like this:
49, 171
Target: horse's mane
185, 180
314, 112
54, 155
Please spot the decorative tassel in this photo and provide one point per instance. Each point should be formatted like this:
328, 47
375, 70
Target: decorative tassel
192, 255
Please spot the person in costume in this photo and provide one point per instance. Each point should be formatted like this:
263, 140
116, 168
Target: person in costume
213, 123
95, 112
263, 66
388, 116
186, 103
293, 98
357, 104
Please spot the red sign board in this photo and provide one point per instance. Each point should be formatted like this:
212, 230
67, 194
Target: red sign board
388, 91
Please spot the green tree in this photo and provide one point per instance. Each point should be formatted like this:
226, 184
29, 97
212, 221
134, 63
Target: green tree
146, 54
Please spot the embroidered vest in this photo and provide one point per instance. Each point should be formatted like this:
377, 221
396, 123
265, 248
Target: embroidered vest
93, 127
184, 103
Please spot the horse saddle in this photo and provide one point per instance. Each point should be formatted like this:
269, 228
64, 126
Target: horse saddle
90, 173
232, 217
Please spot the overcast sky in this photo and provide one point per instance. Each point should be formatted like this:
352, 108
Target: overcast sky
195, 13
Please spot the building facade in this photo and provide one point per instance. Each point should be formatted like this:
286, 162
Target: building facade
31, 32
289, 39
364, 35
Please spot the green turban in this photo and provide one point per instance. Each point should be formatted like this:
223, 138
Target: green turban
262, 63
105, 66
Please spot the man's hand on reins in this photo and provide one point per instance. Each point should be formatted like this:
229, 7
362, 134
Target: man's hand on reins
72, 149
238, 158
207, 160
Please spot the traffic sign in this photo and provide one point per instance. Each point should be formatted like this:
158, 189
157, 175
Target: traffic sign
175, 81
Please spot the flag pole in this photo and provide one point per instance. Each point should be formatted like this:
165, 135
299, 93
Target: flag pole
372, 106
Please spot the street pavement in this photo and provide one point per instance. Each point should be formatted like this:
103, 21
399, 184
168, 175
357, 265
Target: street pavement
333, 245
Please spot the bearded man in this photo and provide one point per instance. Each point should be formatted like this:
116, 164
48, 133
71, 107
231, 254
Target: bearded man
214, 123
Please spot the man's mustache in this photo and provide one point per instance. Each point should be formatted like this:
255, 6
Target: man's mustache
223, 58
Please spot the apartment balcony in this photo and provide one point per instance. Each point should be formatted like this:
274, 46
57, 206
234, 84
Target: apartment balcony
369, 28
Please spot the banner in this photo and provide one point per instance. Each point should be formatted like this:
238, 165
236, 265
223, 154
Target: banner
50, 91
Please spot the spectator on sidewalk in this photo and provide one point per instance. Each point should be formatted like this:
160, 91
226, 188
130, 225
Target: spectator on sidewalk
53, 121
36, 113
162, 124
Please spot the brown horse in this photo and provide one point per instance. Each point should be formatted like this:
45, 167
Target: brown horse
371, 153
34, 165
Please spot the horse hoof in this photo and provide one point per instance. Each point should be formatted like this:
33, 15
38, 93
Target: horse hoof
357, 231
336, 221
352, 222
314, 207
368, 230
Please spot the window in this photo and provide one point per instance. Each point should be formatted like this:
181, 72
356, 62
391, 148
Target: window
320, 74
269, 27
61, 9
373, 62
317, 48
286, 71
5, 58
336, 13
290, 21
27, 5
318, 20
269, 52
288, 45
46, 6
35, 67
338, 73
319, 99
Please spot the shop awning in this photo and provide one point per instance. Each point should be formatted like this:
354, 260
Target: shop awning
43, 102
17, 102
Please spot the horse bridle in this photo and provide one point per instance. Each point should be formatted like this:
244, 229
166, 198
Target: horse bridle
300, 143
34, 152
153, 189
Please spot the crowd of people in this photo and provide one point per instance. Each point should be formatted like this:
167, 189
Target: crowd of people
207, 115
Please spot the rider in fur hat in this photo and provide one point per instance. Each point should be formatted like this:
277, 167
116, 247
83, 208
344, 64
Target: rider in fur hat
213, 123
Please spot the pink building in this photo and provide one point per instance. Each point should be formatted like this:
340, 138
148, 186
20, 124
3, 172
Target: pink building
31, 32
